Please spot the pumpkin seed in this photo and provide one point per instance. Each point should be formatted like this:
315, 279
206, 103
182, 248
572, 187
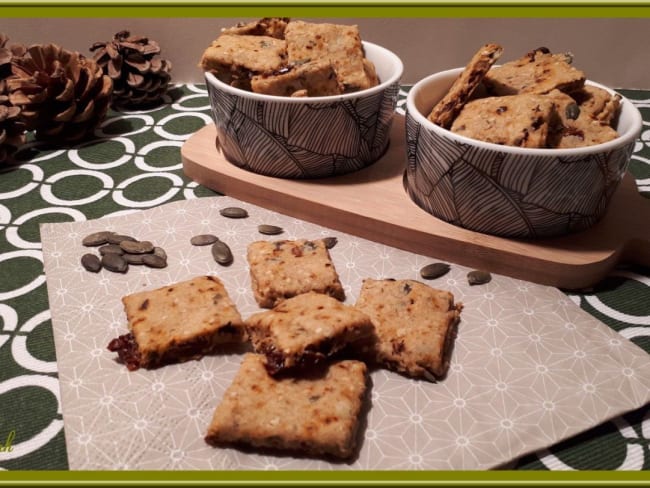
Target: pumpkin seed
222, 253
118, 238
154, 261
96, 238
478, 277
134, 258
137, 247
110, 248
269, 230
572, 111
159, 251
234, 212
91, 262
203, 240
434, 270
115, 263
330, 242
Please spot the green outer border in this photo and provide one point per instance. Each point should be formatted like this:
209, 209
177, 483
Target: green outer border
336, 8
327, 478
332, 8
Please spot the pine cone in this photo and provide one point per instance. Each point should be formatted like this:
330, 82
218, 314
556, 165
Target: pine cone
12, 131
140, 77
63, 95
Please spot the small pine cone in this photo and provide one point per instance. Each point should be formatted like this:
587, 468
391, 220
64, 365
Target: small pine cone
140, 77
12, 130
63, 95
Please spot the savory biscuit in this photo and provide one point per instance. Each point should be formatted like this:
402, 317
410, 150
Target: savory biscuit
312, 79
415, 325
305, 330
598, 104
312, 416
515, 120
539, 72
235, 58
267, 26
286, 268
446, 110
340, 44
177, 322
577, 126
585, 131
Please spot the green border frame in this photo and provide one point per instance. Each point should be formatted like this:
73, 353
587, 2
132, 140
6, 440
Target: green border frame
326, 478
334, 8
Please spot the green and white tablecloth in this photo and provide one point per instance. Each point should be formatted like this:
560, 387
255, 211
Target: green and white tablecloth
134, 163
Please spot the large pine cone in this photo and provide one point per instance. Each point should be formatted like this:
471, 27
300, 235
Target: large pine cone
12, 130
140, 77
63, 95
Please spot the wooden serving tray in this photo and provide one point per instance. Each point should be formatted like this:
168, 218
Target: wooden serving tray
372, 203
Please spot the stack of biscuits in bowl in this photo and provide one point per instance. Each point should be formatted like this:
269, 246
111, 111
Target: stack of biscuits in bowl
303, 382
294, 99
528, 149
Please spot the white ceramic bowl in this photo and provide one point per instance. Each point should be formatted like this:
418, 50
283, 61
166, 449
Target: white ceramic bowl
307, 137
510, 191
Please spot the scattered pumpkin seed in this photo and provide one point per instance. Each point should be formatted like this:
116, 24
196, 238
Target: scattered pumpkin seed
434, 270
91, 262
110, 248
154, 261
203, 240
134, 258
478, 277
234, 212
222, 253
115, 263
118, 238
96, 238
159, 251
269, 230
330, 242
137, 247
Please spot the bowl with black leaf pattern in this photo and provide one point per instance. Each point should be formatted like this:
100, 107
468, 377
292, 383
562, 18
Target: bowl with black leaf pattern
505, 190
307, 137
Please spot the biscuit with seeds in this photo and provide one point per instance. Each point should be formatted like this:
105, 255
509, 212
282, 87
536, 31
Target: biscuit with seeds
515, 120
339, 44
314, 415
306, 330
415, 326
235, 58
177, 322
286, 268
312, 79
446, 110
539, 71
598, 104
267, 26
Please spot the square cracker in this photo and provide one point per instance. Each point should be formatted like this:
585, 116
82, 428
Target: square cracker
314, 416
267, 26
515, 120
446, 110
313, 79
177, 322
286, 268
415, 325
235, 58
539, 71
305, 330
340, 44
